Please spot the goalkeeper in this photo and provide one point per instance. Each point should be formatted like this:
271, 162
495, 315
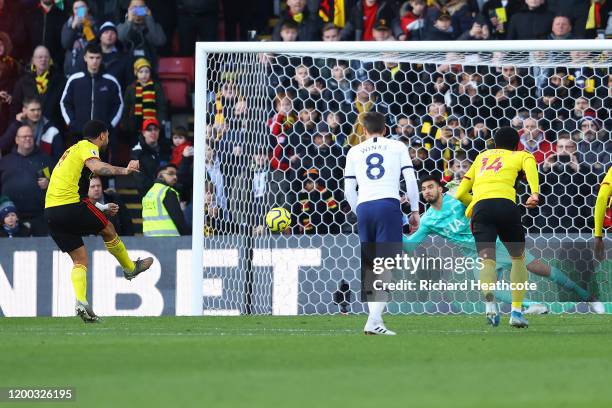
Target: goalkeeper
446, 218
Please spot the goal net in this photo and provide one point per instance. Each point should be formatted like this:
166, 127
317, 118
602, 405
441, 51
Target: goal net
273, 125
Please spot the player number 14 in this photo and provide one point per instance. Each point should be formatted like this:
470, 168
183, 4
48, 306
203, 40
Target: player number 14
495, 165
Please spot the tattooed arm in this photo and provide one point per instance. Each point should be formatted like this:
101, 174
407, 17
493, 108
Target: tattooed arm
100, 168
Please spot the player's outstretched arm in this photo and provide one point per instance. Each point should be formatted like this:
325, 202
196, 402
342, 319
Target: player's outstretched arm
100, 168
531, 172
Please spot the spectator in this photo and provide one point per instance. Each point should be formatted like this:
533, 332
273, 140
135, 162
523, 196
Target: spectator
330, 32
458, 167
561, 28
107, 10
11, 227
432, 123
566, 189
479, 31
323, 155
365, 14
365, 101
404, 130
338, 127
282, 147
316, 208
499, 13
9, 72
144, 99
594, 144
533, 141
306, 126
121, 219
140, 33
46, 136
213, 170
578, 13
448, 144
116, 62
459, 12
80, 30
162, 215
222, 107
309, 24
42, 80
249, 197
441, 30
11, 23
146, 152
532, 22
91, 94
197, 21
565, 157
289, 31
24, 177
44, 23
412, 19
382, 32
179, 142
339, 85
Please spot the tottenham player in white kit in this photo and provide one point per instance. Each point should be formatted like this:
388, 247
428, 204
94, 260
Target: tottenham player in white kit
376, 166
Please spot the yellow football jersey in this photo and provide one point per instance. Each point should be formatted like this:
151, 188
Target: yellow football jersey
494, 173
603, 202
70, 178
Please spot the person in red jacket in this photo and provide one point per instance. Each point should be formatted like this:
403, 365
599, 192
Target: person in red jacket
533, 141
282, 148
179, 143
412, 18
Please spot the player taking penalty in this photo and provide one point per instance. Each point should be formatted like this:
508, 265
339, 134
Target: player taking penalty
376, 165
494, 214
71, 215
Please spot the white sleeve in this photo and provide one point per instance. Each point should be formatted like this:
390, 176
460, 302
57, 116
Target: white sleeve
350, 182
350, 192
412, 188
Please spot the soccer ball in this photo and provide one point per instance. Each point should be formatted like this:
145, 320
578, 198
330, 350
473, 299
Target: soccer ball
278, 219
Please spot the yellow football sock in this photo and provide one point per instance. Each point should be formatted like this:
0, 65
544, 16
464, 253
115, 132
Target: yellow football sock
518, 274
117, 249
488, 276
79, 282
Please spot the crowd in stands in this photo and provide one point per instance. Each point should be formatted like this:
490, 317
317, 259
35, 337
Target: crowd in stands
65, 62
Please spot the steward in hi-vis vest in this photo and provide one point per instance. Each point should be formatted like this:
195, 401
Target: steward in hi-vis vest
161, 211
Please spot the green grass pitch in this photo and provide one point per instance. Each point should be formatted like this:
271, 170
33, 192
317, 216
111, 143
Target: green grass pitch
322, 361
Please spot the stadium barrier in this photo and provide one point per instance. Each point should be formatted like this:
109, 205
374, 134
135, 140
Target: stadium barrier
317, 274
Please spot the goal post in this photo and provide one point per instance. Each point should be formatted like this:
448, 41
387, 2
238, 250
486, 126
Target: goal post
238, 267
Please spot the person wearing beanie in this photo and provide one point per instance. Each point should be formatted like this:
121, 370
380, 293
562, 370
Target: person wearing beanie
144, 99
115, 61
9, 222
494, 212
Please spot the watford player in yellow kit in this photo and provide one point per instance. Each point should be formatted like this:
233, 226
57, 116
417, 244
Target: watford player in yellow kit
603, 202
71, 215
492, 179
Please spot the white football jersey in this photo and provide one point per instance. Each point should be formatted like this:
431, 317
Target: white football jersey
377, 165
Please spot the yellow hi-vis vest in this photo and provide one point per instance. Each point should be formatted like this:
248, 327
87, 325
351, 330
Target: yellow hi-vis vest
156, 221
